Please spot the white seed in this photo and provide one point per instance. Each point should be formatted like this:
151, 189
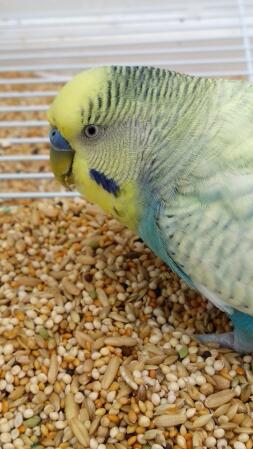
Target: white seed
173, 386
5, 437
93, 395
54, 416
181, 441
237, 390
243, 437
66, 378
218, 365
155, 398
60, 425
3, 384
171, 377
18, 420
219, 433
190, 412
7, 350
144, 421
34, 388
239, 445
210, 442
209, 370
93, 443
171, 397
4, 427
185, 339
114, 431
181, 383
200, 380
28, 413
222, 444
19, 443
8, 446
9, 377
14, 434
111, 396
79, 397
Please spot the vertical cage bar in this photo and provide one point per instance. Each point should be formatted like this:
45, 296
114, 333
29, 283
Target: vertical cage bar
246, 38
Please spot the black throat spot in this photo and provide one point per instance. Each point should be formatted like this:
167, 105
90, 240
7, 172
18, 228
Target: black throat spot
102, 180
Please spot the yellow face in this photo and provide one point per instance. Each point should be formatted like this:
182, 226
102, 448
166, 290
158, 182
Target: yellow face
92, 146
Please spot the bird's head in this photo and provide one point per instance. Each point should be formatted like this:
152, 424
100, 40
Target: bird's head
100, 137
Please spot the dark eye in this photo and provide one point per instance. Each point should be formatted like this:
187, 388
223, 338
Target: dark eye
91, 131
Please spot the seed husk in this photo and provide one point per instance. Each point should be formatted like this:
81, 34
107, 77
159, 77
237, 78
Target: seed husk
69, 287
53, 369
201, 421
221, 382
150, 434
229, 426
94, 425
141, 394
82, 338
193, 392
55, 401
85, 259
245, 393
83, 414
17, 393
220, 398
71, 407
221, 410
248, 430
102, 297
90, 407
120, 341
118, 317
232, 411
27, 281
110, 372
170, 420
98, 343
20, 401
80, 431
58, 274
128, 378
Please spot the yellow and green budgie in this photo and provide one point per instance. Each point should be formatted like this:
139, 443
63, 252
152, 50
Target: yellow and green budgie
171, 156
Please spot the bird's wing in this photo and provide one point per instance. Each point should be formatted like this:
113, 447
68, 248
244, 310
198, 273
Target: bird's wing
208, 233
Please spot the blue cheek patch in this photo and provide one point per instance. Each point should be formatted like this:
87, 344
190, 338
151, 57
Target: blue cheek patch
108, 184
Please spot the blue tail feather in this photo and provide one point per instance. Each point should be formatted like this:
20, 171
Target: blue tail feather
243, 330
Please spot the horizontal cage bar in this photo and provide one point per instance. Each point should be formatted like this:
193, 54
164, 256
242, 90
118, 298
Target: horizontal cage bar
36, 195
24, 157
18, 176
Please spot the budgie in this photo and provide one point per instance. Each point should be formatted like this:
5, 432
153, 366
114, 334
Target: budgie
171, 156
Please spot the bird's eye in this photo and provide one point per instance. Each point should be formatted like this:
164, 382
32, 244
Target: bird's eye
91, 131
